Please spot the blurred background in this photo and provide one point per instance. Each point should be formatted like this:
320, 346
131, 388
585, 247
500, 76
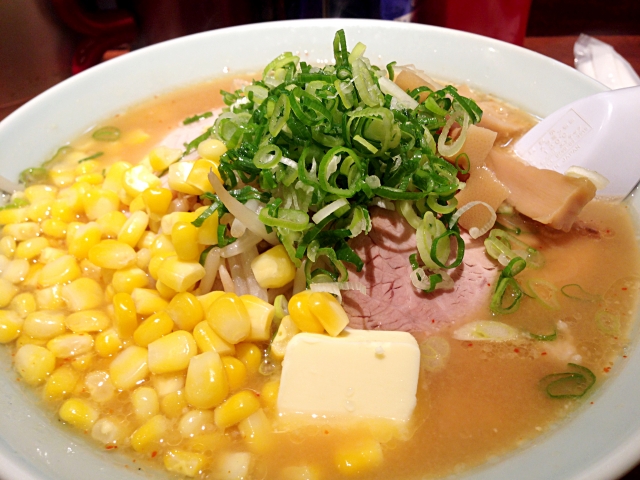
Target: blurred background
45, 41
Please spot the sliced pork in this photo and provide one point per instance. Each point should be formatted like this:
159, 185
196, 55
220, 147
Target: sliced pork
393, 303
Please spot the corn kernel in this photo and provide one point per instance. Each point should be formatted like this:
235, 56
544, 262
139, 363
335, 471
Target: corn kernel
208, 442
180, 275
61, 270
210, 341
87, 321
99, 202
35, 193
23, 340
16, 270
84, 362
54, 228
23, 304
50, 298
133, 228
157, 200
208, 231
88, 166
34, 363
145, 403
49, 254
358, 458
269, 394
39, 211
108, 343
162, 244
126, 280
70, 345
44, 324
212, 149
79, 413
207, 299
206, 384
129, 367
10, 326
99, 386
327, 309
62, 212
153, 328
125, 317
7, 291
60, 383
135, 137
178, 174
184, 237
111, 223
155, 263
146, 240
172, 352
111, 431
83, 294
236, 408
229, 318
161, 157
112, 254
261, 314
143, 258
149, 436
137, 179
185, 310
82, 241
164, 291
20, 231
183, 462
236, 372
148, 301
7, 246
301, 313
95, 178
31, 248
199, 175
256, 431
114, 176
196, 422
10, 216
173, 404
273, 268
249, 354
169, 382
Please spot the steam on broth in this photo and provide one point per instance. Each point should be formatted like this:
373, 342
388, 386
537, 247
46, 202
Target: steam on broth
116, 351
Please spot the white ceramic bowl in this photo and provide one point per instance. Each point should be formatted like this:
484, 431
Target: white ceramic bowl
599, 441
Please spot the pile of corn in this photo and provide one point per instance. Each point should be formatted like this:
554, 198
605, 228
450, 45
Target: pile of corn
99, 293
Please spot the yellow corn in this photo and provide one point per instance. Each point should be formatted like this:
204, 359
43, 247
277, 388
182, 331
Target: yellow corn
184, 237
7, 246
20, 231
133, 228
148, 301
62, 270
82, 363
79, 413
16, 270
125, 317
273, 268
54, 228
137, 205
286, 330
135, 137
172, 352
44, 324
88, 166
87, 321
129, 367
10, 326
249, 354
36, 193
31, 248
137, 179
206, 384
23, 340
95, 178
208, 231
60, 383
184, 462
108, 343
229, 318
80, 242
127, 279
62, 212
70, 345
179, 275
199, 175
196, 422
210, 341
212, 149
155, 262
269, 394
236, 408
153, 328
83, 294
261, 314
236, 373
112, 254
207, 442
34, 363
257, 432
99, 386
49, 254
149, 436
185, 310
162, 244
168, 382
7, 291
50, 298
161, 157
327, 309
207, 299
300, 312
111, 431
114, 176
173, 404
24, 304
62, 176
39, 211
99, 202
143, 258
178, 174
145, 403
157, 200
111, 223
164, 291
14, 215
358, 458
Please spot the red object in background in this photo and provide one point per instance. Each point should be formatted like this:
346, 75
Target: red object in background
502, 19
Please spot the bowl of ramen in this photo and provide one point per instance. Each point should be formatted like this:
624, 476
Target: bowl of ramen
304, 250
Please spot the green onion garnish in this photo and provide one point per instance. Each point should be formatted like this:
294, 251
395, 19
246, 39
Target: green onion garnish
196, 118
107, 134
91, 157
16, 203
569, 384
576, 292
33, 175
608, 323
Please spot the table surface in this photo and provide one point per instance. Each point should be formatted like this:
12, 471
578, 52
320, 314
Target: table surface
561, 49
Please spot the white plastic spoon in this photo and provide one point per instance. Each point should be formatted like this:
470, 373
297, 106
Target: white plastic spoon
600, 133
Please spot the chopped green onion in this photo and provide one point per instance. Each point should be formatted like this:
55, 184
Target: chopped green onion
576, 292
91, 157
33, 175
569, 384
196, 118
16, 203
267, 157
544, 292
608, 323
107, 134
223, 240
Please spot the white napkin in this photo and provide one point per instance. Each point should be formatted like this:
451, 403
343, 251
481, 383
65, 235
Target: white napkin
599, 60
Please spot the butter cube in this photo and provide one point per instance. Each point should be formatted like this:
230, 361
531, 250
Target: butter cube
360, 374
